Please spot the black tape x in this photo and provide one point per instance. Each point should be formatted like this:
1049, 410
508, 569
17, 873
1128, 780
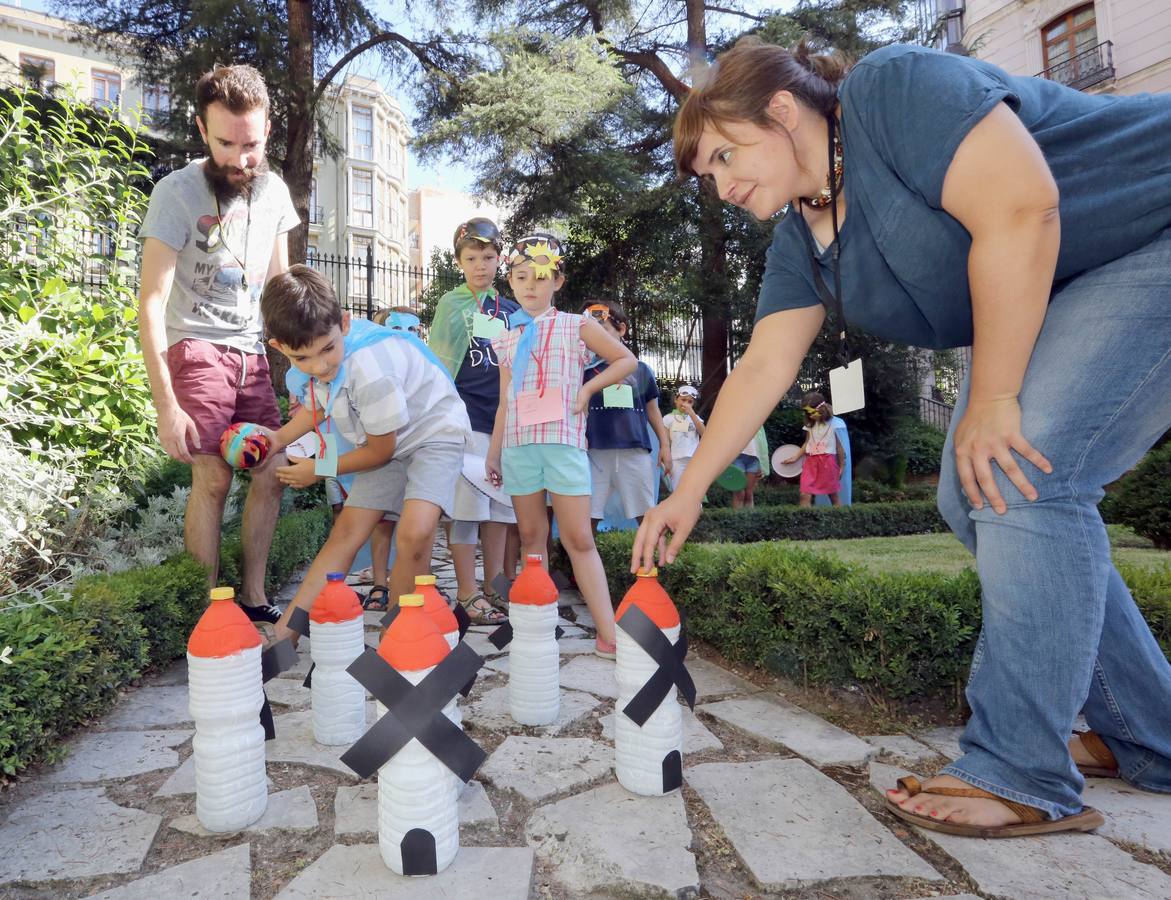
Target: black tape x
502, 636
415, 711
274, 660
669, 657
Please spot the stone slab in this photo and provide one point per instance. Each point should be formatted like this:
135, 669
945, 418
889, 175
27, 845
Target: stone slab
592, 674
1045, 867
118, 754
288, 693
150, 707
304, 661
356, 872
801, 731
292, 810
75, 833
712, 680
490, 711
899, 746
226, 874
480, 643
696, 737
1134, 816
294, 743
575, 645
944, 740
793, 826
538, 768
583, 617
608, 842
175, 673
182, 781
355, 809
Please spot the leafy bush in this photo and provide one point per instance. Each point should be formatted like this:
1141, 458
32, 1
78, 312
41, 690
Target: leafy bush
1142, 499
770, 523
867, 491
765, 494
297, 539
922, 445
810, 616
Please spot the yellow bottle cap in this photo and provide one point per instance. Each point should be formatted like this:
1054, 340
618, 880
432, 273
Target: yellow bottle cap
410, 600
223, 593
652, 572
424, 579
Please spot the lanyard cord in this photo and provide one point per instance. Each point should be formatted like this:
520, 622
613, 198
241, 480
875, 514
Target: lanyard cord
224, 239
328, 419
495, 312
544, 353
831, 300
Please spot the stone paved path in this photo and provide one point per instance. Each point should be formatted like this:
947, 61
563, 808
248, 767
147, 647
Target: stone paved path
777, 803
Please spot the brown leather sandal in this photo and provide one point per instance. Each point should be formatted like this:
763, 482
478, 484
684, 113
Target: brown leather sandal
1107, 765
1032, 821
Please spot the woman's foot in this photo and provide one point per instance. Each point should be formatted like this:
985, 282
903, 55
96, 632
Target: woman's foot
481, 612
959, 810
605, 649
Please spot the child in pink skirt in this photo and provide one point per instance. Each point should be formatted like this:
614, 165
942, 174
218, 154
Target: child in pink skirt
824, 456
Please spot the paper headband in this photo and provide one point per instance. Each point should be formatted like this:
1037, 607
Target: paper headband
542, 251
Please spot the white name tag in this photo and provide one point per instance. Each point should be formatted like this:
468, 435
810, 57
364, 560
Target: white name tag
845, 388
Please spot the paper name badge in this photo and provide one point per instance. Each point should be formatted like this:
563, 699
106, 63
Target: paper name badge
487, 327
618, 396
845, 386
534, 409
325, 466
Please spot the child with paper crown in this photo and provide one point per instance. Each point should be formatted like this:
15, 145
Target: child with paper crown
618, 430
824, 454
539, 442
382, 393
685, 428
466, 320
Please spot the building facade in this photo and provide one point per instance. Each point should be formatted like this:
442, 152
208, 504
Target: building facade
1102, 46
358, 199
435, 214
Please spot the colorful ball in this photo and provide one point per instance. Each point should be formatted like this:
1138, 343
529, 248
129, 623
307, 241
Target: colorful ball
244, 445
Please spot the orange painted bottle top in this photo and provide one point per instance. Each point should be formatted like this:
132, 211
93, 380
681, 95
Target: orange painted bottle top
223, 629
533, 586
412, 642
435, 605
648, 595
337, 602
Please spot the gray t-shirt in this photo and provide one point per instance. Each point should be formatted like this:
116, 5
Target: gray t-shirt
210, 298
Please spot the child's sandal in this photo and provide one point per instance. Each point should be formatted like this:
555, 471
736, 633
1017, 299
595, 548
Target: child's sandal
481, 612
373, 603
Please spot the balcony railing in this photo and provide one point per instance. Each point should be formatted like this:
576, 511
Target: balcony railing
316, 215
1084, 70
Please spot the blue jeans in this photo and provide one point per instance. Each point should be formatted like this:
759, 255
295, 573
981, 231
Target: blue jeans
1061, 633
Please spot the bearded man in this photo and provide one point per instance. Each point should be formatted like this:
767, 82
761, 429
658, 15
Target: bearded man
215, 232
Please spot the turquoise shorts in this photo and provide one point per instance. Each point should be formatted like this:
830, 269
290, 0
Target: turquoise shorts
556, 468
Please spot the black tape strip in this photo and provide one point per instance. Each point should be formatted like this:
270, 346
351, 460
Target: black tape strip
467, 688
501, 585
462, 619
672, 771
559, 580
418, 852
276, 659
299, 621
670, 670
308, 682
558, 632
266, 721
391, 615
501, 637
416, 711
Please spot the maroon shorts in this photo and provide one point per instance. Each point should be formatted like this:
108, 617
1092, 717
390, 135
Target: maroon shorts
218, 385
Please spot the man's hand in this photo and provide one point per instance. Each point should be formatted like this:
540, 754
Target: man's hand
298, 473
177, 434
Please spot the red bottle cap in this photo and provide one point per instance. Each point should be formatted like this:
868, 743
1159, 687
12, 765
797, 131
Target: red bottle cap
412, 642
337, 602
648, 595
223, 629
533, 586
435, 605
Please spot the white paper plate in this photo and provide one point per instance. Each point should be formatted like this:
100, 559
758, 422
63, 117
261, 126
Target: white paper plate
474, 473
782, 453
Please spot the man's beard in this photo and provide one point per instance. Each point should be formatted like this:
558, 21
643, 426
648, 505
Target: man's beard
218, 177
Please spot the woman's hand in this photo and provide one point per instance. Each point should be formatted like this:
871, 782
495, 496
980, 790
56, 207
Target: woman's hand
676, 514
991, 430
298, 473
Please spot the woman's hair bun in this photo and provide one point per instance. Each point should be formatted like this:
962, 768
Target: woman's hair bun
830, 67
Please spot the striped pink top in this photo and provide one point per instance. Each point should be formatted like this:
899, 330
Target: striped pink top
566, 361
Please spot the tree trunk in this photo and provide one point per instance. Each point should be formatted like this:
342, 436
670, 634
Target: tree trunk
714, 306
298, 168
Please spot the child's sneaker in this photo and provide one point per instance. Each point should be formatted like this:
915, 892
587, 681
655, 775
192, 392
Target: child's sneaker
605, 649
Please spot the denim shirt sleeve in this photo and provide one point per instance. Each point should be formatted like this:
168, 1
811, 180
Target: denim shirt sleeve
782, 286
916, 106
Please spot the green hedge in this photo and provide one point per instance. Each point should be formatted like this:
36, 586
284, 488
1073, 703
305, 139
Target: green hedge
770, 523
68, 663
1142, 498
810, 616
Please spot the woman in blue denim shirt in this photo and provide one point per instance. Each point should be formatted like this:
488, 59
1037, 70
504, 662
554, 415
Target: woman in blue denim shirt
937, 201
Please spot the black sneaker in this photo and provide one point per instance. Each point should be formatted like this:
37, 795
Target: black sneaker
266, 613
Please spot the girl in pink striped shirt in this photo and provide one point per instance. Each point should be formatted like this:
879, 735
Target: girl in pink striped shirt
538, 443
